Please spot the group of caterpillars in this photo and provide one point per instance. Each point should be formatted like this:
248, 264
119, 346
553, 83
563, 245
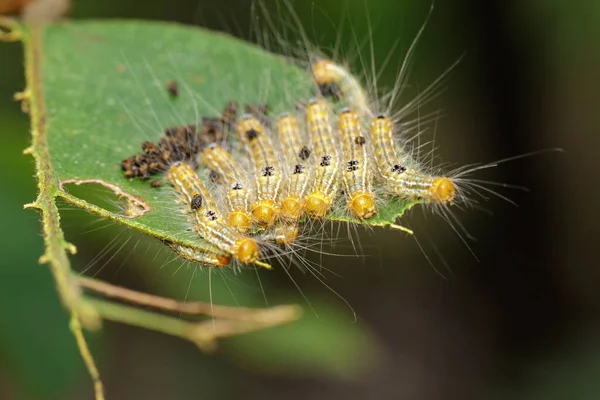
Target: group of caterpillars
319, 155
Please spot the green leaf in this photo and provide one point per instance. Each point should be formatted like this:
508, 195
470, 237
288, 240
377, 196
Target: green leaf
105, 93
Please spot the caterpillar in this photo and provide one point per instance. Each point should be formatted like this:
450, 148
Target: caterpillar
291, 205
400, 179
218, 159
357, 174
206, 258
336, 82
267, 168
297, 153
326, 176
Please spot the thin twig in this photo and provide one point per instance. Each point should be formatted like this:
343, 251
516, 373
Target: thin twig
203, 334
88, 359
252, 315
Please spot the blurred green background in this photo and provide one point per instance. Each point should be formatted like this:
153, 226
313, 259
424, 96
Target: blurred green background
521, 322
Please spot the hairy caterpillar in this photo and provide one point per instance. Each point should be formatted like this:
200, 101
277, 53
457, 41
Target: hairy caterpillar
217, 158
267, 168
297, 154
325, 154
402, 180
205, 258
291, 206
356, 169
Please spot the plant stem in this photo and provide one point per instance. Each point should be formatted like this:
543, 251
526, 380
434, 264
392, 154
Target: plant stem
278, 314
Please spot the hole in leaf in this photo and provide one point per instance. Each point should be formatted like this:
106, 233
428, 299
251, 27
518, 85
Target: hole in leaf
106, 196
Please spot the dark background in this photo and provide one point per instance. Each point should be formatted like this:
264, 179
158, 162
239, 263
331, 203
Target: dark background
519, 322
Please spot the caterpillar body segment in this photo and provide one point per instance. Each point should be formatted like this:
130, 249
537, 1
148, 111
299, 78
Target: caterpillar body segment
356, 167
398, 171
337, 82
326, 176
218, 159
207, 220
206, 258
266, 166
297, 155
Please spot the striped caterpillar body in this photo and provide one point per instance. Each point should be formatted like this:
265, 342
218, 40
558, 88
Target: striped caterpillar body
356, 167
326, 176
291, 205
218, 159
206, 258
401, 179
266, 166
296, 153
335, 81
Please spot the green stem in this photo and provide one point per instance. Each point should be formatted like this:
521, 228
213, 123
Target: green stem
54, 242
151, 320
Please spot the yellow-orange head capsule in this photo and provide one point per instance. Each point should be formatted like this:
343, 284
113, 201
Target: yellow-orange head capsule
264, 212
334, 80
246, 250
291, 208
362, 205
317, 204
239, 220
442, 190
324, 72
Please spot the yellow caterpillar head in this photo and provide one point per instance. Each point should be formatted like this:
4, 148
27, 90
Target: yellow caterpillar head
240, 220
317, 205
322, 72
264, 212
442, 190
246, 250
291, 208
362, 205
